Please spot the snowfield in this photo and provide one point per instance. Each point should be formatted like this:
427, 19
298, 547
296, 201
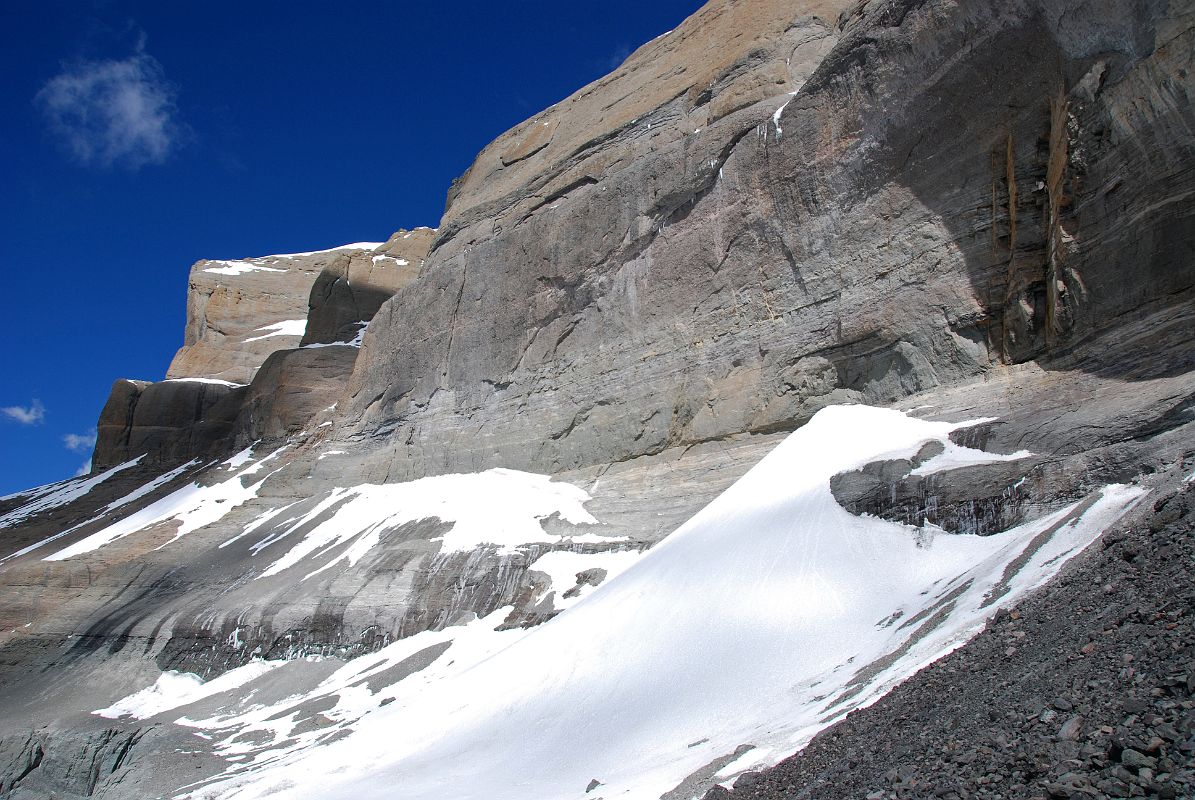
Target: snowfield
766, 617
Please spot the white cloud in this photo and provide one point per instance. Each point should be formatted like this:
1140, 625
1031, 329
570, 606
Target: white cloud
85, 469
32, 415
113, 112
79, 442
614, 61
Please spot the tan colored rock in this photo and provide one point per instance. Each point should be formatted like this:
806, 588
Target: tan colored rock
241, 311
723, 58
354, 285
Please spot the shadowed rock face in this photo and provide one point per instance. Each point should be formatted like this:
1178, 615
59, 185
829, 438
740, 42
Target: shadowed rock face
353, 287
171, 421
952, 188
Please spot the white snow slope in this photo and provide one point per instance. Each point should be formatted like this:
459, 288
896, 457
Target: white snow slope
769, 615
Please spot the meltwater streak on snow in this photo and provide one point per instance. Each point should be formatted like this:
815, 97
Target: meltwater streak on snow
767, 616
287, 327
499, 507
59, 494
194, 506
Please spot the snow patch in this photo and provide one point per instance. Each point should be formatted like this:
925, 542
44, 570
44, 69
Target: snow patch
239, 268
402, 262
563, 566
212, 381
779, 111
193, 506
137, 493
352, 246
287, 327
354, 342
499, 508
59, 494
955, 456
173, 689
765, 618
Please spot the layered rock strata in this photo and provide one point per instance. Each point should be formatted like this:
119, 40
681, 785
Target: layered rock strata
287, 375
239, 311
617, 277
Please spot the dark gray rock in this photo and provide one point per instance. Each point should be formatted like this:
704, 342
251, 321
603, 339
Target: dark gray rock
169, 422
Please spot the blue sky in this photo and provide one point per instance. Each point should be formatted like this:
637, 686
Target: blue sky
138, 137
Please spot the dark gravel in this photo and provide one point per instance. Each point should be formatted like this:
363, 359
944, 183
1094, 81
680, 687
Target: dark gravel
1085, 690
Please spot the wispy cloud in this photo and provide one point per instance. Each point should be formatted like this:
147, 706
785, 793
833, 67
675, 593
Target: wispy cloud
615, 59
79, 442
85, 469
31, 415
113, 112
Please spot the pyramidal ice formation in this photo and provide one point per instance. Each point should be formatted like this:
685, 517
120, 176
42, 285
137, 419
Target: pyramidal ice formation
804, 409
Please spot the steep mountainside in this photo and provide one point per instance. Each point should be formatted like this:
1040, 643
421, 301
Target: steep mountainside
732, 392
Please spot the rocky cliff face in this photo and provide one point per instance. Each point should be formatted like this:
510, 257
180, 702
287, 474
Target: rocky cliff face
782, 228
240, 311
350, 289
963, 210
200, 409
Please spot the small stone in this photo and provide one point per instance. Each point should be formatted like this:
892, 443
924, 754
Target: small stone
1071, 729
1132, 705
1135, 760
1167, 732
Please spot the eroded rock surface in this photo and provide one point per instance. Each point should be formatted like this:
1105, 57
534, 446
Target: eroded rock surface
716, 260
240, 311
351, 289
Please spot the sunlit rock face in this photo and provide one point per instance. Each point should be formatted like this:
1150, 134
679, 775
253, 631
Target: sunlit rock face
432, 509
240, 311
270, 342
827, 207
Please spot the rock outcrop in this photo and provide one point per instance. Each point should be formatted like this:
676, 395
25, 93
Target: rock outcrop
352, 288
289, 376
172, 421
240, 311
